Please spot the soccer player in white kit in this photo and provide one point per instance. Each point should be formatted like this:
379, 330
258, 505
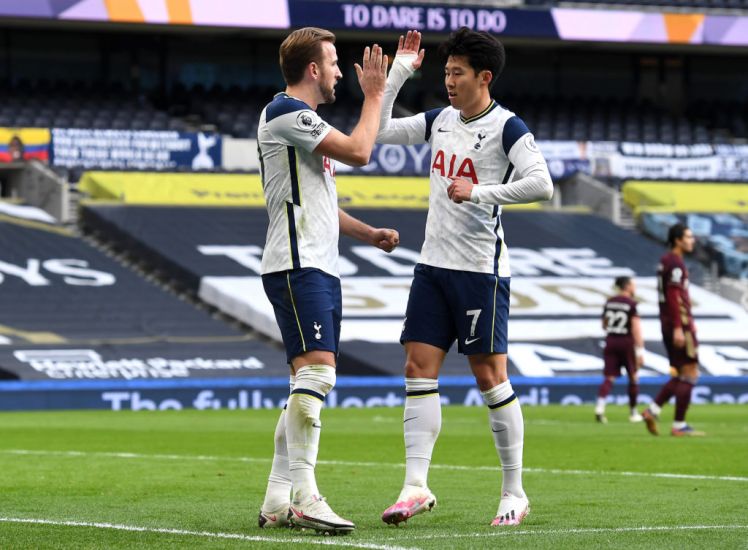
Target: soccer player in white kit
297, 152
482, 157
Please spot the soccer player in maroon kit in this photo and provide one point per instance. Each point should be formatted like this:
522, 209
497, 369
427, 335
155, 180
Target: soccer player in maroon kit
678, 333
624, 346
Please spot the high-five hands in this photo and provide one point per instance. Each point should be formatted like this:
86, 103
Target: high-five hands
373, 75
409, 45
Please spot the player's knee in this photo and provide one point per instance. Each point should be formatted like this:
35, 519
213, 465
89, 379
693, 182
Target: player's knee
414, 369
488, 380
313, 383
690, 378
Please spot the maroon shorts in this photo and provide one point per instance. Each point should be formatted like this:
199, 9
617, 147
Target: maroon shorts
619, 353
681, 356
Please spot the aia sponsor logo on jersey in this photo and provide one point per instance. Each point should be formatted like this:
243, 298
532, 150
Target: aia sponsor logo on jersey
446, 167
328, 166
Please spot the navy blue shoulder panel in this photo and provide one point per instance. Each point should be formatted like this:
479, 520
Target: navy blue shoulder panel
514, 128
430, 117
282, 104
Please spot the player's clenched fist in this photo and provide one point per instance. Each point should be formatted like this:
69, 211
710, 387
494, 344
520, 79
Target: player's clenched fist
386, 239
459, 190
372, 74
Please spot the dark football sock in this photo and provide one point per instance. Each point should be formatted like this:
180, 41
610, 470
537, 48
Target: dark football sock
682, 400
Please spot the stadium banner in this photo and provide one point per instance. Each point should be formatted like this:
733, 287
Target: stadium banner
134, 149
600, 158
440, 18
349, 392
174, 188
219, 13
156, 360
557, 23
18, 144
650, 27
673, 196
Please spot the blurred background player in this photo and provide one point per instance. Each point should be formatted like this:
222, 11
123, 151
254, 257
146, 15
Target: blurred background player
461, 284
300, 259
678, 333
624, 346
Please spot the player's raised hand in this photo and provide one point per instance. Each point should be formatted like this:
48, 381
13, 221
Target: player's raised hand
409, 45
459, 190
386, 239
372, 73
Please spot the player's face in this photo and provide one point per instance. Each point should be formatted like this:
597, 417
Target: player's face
687, 241
329, 72
631, 287
462, 82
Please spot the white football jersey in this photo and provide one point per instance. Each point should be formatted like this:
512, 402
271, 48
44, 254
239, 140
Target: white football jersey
299, 188
486, 149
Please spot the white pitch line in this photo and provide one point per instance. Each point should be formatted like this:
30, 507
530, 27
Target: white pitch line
205, 534
449, 467
510, 531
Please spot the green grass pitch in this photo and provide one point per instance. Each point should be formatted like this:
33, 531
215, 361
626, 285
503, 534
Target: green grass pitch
191, 479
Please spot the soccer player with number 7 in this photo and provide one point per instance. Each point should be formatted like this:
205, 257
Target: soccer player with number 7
460, 288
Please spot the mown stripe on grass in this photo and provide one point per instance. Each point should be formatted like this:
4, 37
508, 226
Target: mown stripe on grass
511, 531
353, 464
205, 534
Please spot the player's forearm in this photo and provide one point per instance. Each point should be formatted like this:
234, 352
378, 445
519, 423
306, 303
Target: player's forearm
535, 186
402, 69
672, 298
636, 333
354, 228
364, 134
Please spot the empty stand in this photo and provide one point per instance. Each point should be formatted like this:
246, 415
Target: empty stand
67, 309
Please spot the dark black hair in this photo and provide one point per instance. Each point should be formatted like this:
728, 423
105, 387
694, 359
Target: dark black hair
675, 232
483, 51
622, 282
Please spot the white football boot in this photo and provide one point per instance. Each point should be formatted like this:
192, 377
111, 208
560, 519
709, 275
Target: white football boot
512, 510
277, 518
315, 513
412, 501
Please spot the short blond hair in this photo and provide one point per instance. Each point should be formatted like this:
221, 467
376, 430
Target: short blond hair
300, 48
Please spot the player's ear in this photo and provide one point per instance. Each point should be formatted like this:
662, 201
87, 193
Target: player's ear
485, 77
313, 69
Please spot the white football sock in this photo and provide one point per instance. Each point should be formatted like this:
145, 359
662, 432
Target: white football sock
654, 408
279, 481
600, 407
422, 420
303, 426
507, 425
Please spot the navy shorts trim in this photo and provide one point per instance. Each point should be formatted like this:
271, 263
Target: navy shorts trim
308, 308
445, 304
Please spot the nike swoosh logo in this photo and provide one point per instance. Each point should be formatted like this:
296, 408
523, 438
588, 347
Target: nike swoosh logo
468, 342
409, 419
443, 131
498, 431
